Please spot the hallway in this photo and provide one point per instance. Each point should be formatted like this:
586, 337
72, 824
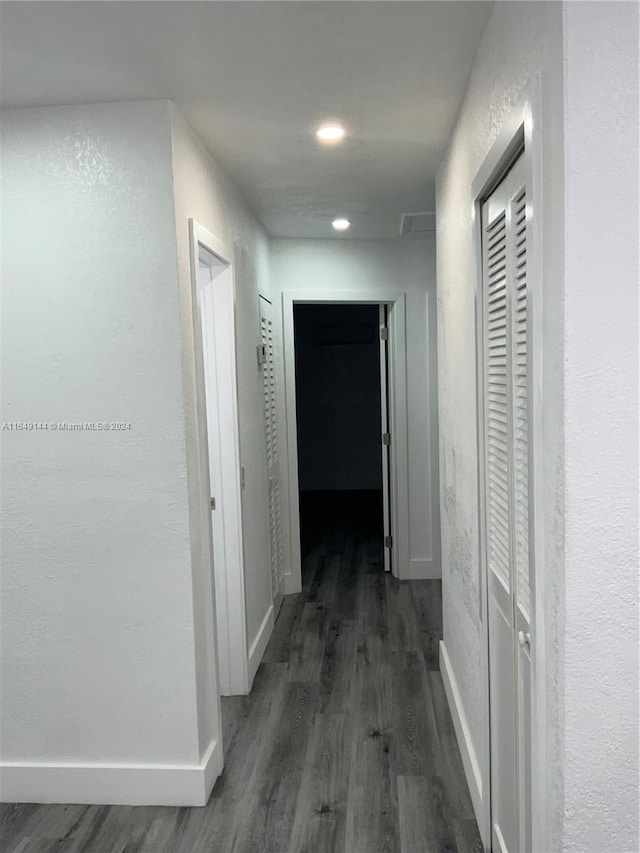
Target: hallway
214, 214
345, 743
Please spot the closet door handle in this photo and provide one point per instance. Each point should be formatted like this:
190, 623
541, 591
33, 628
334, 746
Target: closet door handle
524, 639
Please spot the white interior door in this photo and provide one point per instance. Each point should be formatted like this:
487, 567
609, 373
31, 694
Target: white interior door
215, 299
267, 351
208, 269
504, 313
386, 437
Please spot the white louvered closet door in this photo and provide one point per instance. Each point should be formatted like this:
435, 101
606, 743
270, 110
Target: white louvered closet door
273, 459
504, 321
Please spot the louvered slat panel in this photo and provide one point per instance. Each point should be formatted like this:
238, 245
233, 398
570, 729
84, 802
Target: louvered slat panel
272, 390
519, 401
279, 548
273, 541
495, 264
271, 430
264, 324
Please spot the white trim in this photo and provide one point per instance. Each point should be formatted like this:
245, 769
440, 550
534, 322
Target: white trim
231, 633
399, 492
423, 568
113, 784
523, 125
431, 512
468, 752
502, 847
399, 427
257, 650
533, 145
385, 427
292, 583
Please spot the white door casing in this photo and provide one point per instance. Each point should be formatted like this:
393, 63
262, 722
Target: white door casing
214, 324
397, 416
267, 350
386, 447
506, 518
520, 135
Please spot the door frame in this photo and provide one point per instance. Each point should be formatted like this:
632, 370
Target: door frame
397, 378
383, 353
521, 131
228, 581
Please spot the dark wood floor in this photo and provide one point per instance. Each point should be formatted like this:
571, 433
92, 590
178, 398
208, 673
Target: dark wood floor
345, 744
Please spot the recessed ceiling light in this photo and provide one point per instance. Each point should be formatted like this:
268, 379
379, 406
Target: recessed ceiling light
341, 224
330, 134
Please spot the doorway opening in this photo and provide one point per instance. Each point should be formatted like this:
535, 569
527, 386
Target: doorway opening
341, 366
392, 305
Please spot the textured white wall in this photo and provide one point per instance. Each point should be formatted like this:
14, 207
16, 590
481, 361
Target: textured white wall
356, 265
520, 40
601, 427
204, 192
97, 612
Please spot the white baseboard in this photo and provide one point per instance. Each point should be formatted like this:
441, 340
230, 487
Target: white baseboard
421, 568
468, 752
292, 584
112, 784
213, 764
259, 645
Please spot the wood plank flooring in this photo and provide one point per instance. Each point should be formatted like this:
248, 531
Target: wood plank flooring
345, 744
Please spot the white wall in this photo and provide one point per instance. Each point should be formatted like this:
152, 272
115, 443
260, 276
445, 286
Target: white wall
98, 677
587, 56
521, 39
108, 650
203, 191
601, 427
356, 266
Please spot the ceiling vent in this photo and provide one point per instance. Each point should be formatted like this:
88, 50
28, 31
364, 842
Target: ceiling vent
417, 224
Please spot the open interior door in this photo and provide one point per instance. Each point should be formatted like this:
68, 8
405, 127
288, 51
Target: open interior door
386, 437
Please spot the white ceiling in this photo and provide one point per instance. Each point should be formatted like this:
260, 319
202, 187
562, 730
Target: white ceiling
253, 79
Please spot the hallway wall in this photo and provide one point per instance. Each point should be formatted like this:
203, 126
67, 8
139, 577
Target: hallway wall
356, 265
98, 642
521, 40
586, 54
601, 340
204, 192
108, 648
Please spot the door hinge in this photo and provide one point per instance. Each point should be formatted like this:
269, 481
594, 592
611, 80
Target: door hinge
388, 541
386, 438
384, 333
262, 354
